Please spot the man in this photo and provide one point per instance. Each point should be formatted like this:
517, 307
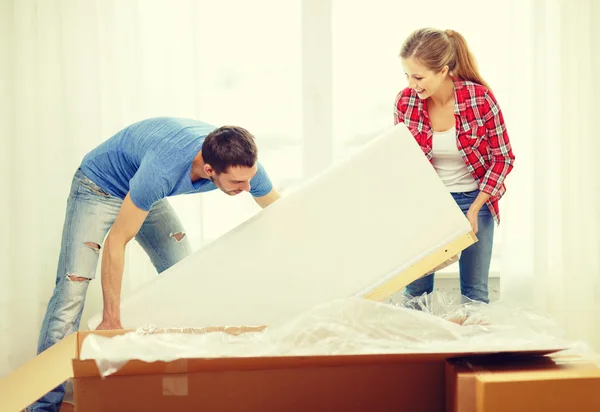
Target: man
122, 185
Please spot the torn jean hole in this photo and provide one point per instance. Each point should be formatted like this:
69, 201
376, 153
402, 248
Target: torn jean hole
75, 278
178, 236
94, 246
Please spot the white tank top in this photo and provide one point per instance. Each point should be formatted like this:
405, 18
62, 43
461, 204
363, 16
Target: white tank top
449, 164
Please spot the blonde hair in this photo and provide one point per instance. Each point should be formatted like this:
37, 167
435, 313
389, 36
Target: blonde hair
438, 48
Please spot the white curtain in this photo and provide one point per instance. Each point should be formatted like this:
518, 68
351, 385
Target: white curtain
76, 71
551, 234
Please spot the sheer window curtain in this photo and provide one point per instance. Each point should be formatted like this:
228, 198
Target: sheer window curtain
540, 56
6, 175
75, 72
368, 72
552, 220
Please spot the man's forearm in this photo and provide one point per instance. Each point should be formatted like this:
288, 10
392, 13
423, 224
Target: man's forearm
113, 262
269, 198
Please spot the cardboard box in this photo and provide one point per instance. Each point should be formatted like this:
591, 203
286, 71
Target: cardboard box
414, 382
548, 383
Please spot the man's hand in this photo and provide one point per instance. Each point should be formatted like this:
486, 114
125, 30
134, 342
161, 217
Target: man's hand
267, 199
109, 324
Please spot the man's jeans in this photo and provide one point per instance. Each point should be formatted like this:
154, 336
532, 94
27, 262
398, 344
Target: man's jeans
90, 214
474, 262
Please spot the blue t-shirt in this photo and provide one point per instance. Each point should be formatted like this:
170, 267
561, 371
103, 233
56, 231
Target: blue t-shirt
152, 159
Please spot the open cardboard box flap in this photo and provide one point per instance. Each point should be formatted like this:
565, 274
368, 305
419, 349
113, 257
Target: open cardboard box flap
61, 362
40, 375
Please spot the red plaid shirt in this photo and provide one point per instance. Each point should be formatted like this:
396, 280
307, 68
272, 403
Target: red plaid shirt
482, 139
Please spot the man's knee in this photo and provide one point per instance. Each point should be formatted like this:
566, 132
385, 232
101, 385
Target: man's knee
94, 246
76, 278
81, 267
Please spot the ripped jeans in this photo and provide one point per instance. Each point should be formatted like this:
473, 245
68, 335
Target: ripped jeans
89, 215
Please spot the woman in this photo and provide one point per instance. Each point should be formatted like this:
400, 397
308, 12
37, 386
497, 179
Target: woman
454, 117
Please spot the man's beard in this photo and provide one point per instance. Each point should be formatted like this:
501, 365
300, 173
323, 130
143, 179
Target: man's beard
230, 193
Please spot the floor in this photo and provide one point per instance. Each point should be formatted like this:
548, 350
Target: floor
452, 285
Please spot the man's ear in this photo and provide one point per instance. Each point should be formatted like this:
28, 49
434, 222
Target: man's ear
209, 170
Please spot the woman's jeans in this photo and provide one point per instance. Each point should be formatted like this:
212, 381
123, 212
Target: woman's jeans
474, 262
89, 215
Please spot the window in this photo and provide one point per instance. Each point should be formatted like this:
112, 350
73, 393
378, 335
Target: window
366, 40
249, 69
221, 67
260, 72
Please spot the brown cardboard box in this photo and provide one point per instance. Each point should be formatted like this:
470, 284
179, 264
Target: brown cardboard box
547, 383
353, 383
414, 382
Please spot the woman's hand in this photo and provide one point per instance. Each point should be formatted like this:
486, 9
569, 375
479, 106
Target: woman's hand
473, 211
472, 214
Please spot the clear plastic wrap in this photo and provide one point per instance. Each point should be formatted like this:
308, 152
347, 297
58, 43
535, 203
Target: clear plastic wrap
435, 323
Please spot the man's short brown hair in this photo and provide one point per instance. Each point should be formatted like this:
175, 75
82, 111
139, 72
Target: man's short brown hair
229, 146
